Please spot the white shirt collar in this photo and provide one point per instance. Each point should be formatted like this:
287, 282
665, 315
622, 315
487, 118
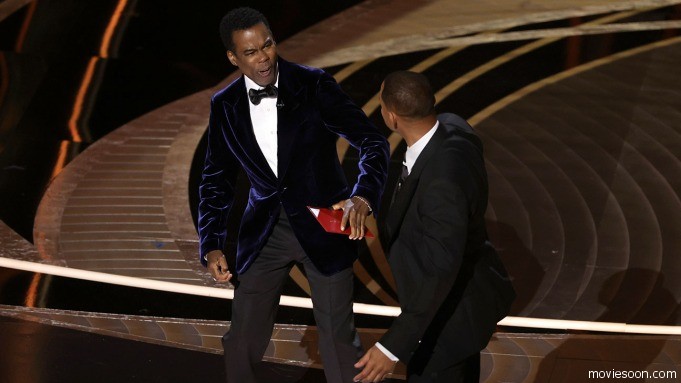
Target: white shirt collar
415, 150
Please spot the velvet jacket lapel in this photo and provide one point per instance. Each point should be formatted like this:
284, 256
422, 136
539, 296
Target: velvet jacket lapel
239, 117
290, 116
403, 199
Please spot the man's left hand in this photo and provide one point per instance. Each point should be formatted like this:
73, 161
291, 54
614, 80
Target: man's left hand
375, 366
355, 212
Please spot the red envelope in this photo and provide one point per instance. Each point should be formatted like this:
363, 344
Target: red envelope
331, 219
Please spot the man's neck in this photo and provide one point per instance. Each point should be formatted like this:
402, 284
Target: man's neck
414, 130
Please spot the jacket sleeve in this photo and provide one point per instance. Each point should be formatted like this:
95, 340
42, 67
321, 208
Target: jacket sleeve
344, 118
430, 257
216, 190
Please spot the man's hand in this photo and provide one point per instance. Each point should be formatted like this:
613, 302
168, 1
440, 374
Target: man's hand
375, 366
217, 265
355, 212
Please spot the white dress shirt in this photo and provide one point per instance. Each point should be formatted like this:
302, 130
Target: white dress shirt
264, 120
415, 150
410, 157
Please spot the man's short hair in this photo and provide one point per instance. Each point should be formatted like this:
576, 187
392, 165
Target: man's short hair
239, 19
408, 94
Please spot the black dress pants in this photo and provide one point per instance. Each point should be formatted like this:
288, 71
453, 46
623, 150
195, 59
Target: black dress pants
256, 300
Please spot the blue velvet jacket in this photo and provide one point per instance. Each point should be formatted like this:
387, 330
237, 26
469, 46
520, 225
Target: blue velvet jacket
314, 114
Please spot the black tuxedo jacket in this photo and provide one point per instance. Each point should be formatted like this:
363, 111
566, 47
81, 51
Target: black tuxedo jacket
312, 113
451, 285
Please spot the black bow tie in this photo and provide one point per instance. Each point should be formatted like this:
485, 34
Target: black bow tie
257, 95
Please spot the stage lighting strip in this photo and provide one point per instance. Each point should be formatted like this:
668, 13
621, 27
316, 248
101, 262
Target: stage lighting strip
359, 308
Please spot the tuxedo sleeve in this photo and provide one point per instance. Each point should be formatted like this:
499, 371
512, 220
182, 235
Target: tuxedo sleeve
344, 118
432, 255
216, 190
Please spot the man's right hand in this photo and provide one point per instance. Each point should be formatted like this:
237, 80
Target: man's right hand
217, 265
355, 212
375, 366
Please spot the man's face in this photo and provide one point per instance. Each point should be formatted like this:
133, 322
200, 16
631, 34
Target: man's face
255, 53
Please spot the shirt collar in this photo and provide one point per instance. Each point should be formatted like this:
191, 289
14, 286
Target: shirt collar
415, 150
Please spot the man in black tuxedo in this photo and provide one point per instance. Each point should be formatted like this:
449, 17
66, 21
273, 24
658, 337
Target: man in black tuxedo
451, 284
279, 122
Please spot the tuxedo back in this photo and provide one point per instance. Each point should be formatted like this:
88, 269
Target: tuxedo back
453, 261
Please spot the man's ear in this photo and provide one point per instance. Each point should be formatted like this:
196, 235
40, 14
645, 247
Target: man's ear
231, 58
393, 119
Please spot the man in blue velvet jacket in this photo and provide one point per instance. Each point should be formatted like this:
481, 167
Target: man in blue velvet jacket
280, 122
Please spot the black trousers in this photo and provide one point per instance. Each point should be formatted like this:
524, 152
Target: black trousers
466, 371
256, 300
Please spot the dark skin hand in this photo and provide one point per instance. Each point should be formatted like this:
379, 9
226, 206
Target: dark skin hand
217, 265
375, 366
356, 216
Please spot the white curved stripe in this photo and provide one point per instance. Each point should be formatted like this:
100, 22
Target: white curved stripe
359, 308
559, 324
122, 280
